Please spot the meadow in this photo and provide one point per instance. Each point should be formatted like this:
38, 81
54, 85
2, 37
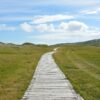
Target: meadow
17, 66
81, 65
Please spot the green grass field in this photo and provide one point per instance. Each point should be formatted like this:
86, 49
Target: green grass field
17, 65
81, 65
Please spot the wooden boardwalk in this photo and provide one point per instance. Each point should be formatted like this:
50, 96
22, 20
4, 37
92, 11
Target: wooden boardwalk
49, 83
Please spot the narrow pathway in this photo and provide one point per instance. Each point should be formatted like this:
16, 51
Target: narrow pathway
49, 83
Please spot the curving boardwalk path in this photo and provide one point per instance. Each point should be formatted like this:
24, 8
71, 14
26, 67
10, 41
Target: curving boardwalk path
49, 83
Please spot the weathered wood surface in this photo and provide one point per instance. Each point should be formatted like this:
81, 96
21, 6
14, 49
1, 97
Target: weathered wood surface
49, 83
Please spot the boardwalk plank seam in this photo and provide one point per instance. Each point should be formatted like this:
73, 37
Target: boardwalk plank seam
49, 82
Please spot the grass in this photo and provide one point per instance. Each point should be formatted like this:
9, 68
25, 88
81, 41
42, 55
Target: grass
81, 65
17, 66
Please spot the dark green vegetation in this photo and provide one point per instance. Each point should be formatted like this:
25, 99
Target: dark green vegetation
17, 65
91, 42
95, 42
81, 64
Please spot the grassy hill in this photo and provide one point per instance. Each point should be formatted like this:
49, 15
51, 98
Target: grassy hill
95, 42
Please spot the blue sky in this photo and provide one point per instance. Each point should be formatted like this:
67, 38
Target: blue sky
49, 21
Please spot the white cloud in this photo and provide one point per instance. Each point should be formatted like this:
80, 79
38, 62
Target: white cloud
66, 37
51, 18
26, 27
7, 28
42, 27
72, 31
95, 11
45, 28
52, 36
75, 26
72, 26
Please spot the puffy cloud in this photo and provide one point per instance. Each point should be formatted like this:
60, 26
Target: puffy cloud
71, 31
42, 27
26, 27
67, 36
96, 11
74, 26
64, 31
77, 26
51, 18
7, 28
45, 28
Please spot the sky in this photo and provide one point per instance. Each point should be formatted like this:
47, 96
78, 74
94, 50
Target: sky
49, 21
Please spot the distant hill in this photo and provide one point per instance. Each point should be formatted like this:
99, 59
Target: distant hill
24, 44
1, 43
31, 44
95, 42
27, 43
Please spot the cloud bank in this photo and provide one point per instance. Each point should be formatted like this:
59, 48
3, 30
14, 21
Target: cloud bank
71, 26
91, 12
71, 30
51, 18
